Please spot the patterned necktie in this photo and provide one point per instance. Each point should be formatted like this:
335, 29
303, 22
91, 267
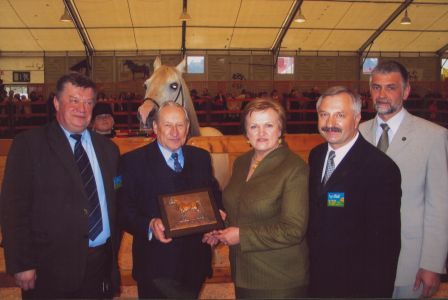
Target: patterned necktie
85, 169
383, 143
330, 166
177, 166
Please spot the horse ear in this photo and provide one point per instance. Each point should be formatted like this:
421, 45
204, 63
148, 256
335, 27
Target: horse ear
157, 63
181, 66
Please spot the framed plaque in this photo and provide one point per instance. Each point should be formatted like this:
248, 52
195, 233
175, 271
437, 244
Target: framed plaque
189, 212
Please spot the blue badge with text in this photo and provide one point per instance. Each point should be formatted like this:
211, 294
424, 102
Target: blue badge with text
117, 182
335, 199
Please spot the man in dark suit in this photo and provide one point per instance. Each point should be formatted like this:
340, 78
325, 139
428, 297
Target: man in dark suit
58, 221
165, 267
354, 228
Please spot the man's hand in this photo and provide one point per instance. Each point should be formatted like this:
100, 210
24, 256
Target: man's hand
430, 280
158, 230
26, 279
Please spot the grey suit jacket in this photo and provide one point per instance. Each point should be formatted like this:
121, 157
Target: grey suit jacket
420, 149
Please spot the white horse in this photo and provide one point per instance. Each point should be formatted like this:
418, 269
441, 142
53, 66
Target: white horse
165, 84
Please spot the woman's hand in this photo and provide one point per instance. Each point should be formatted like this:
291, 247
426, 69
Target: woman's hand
229, 236
210, 238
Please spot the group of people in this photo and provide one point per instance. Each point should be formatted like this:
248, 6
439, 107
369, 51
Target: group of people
366, 217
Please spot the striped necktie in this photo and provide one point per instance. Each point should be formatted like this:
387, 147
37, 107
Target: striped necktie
85, 169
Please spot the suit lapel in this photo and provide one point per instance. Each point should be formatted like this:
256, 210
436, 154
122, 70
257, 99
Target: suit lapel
402, 137
61, 146
348, 163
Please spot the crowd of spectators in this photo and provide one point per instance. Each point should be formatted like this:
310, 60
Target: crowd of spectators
222, 108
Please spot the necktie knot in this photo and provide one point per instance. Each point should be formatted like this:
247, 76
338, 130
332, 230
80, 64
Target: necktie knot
385, 127
331, 155
76, 136
177, 166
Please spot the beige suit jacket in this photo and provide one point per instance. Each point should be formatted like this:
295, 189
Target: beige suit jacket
420, 149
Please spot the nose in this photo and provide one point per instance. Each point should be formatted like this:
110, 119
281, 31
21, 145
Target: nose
331, 121
382, 93
174, 131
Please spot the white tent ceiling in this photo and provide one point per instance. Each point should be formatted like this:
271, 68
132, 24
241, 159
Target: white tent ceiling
140, 25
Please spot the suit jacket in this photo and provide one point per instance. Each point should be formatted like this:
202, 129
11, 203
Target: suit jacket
45, 209
354, 249
271, 211
420, 149
145, 176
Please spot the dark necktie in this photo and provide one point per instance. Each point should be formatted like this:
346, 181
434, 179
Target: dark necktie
330, 166
177, 166
383, 143
85, 169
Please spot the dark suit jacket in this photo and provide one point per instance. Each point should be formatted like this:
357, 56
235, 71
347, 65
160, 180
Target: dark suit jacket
354, 249
145, 176
45, 209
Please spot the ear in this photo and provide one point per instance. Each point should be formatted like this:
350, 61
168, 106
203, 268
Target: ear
181, 66
56, 103
154, 127
357, 120
157, 63
407, 91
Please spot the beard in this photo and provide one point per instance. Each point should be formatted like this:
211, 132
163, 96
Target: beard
390, 109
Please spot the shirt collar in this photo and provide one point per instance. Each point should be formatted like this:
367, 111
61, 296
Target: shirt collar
393, 123
341, 152
167, 153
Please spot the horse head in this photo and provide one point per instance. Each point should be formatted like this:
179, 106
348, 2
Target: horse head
166, 84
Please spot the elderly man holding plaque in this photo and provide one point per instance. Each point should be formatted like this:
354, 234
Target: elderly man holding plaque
158, 180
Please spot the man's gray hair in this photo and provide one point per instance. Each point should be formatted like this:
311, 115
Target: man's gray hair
339, 89
174, 104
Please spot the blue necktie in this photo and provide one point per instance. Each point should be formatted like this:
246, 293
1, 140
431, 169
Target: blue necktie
177, 166
85, 169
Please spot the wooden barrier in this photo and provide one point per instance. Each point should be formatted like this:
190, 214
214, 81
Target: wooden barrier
233, 146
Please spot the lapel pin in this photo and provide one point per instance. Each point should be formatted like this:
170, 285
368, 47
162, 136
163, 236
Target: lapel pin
403, 138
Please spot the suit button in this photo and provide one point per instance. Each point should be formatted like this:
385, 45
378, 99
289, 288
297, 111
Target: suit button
85, 211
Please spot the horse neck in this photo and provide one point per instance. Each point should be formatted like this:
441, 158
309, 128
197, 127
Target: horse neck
194, 123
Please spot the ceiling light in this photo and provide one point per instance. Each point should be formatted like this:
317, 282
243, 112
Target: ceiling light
300, 18
65, 16
185, 16
406, 20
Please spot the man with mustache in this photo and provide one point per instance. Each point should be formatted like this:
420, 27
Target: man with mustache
420, 150
354, 191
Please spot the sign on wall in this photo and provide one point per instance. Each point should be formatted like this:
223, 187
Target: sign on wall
18, 76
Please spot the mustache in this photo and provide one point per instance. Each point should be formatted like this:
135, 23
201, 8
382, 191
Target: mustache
330, 129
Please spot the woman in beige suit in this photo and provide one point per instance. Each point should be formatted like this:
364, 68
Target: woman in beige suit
266, 202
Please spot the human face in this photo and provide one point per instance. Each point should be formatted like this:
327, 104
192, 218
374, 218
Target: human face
337, 122
388, 93
103, 123
263, 131
171, 128
74, 108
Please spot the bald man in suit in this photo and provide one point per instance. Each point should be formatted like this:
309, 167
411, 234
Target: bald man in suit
420, 149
